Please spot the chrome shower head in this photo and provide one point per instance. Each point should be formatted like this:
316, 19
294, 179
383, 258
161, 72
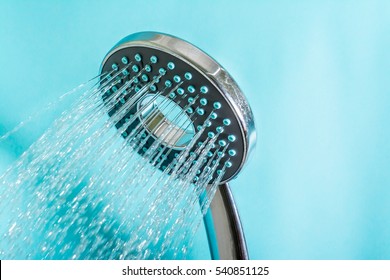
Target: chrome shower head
163, 76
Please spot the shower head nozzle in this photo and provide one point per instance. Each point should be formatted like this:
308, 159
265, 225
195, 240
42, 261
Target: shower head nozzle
182, 100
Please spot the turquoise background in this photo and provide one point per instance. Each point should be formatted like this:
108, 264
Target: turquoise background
316, 73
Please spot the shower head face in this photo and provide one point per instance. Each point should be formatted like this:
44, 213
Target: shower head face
180, 93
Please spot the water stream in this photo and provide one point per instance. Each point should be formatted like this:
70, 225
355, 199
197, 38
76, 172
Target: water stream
90, 189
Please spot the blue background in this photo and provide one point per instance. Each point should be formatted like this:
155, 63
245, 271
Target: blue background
316, 74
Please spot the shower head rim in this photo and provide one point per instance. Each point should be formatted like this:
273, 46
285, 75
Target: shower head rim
210, 69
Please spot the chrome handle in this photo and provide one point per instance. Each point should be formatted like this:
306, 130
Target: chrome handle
224, 230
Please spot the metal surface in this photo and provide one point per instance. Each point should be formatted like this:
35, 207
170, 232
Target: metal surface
225, 234
213, 72
224, 230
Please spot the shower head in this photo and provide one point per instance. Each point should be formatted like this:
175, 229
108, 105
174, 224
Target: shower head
182, 99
